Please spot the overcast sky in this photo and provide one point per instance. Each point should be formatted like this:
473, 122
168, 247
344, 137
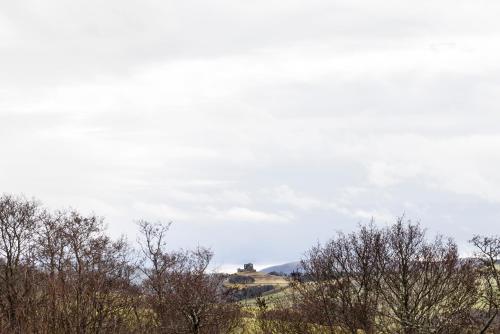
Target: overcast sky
257, 127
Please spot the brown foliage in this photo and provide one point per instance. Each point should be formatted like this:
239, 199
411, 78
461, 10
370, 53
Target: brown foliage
488, 254
425, 287
390, 280
60, 273
17, 267
185, 298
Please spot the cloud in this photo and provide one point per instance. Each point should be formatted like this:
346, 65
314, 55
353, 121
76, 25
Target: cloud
286, 195
160, 212
241, 214
223, 116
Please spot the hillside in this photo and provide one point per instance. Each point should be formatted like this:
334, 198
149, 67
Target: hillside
286, 268
250, 285
261, 278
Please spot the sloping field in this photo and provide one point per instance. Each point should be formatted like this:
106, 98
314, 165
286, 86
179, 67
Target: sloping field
262, 279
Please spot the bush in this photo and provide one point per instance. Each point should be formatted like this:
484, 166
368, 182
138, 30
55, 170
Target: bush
240, 279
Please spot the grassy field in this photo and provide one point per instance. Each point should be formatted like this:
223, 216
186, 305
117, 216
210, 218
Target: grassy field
262, 279
279, 283
269, 296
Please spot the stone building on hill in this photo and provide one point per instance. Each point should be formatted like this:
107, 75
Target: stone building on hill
247, 268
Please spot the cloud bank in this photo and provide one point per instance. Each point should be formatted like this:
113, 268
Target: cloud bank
257, 128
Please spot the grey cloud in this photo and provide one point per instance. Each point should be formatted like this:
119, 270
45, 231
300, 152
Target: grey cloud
254, 118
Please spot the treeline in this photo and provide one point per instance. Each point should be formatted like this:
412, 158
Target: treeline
390, 280
61, 273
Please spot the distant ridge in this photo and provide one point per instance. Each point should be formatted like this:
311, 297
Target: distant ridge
285, 268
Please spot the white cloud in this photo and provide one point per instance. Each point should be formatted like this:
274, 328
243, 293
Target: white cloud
161, 212
241, 214
286, 195
311, 113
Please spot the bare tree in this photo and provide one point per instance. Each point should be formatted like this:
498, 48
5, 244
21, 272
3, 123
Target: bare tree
61, 273
185, 298
425, 286
99, 276
341, 287
18, 221
389, 280
488, 253
51, 257
284, 315
86, 277
355, 275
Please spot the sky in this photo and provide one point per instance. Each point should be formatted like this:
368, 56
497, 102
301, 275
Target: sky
259, 128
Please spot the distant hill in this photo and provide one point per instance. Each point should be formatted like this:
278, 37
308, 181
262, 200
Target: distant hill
286, 268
